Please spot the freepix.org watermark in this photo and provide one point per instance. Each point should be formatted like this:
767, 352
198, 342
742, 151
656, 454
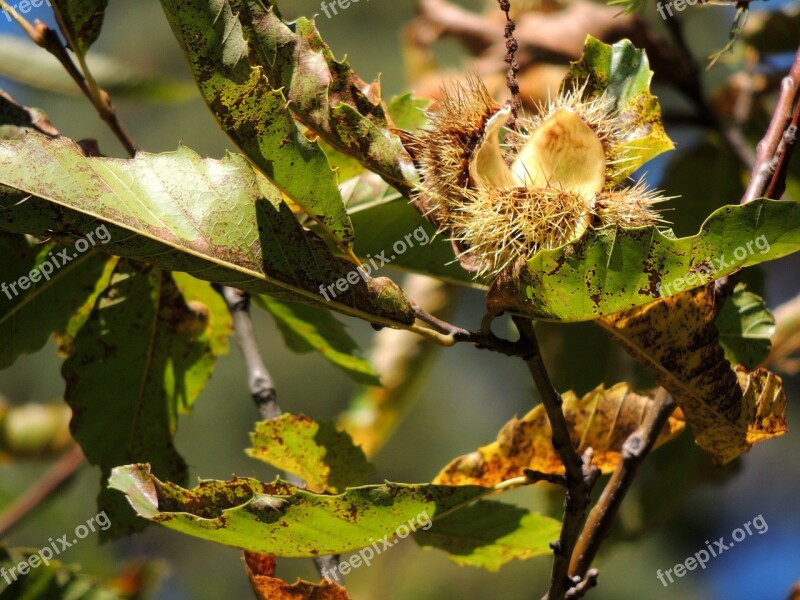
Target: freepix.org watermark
706, 271
701, 557
362, 272
331, 5
679, 5
25, 7
54, 262
365, 555
56, 547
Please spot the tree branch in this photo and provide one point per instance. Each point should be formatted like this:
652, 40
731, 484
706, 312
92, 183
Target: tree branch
51, 481
48, 39
775, 149
262, 389
580, 474
634, 451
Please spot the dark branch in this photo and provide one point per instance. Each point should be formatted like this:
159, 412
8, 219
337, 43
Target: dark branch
262, 389
775, 149
580, 474
634, 451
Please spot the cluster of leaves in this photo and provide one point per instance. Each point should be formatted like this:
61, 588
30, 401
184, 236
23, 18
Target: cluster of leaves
279, 222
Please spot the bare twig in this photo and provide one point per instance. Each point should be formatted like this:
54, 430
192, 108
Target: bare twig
511, 61
634, 450
583, 586
262, 389
774, 150
46, 38
580, 474
33, 497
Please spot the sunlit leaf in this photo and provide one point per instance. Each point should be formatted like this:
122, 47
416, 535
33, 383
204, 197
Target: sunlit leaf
176, 210
277, 518
675, 339
252, 109
610, 269
323, 457
325, 94
622, 72
601, 420
261, 570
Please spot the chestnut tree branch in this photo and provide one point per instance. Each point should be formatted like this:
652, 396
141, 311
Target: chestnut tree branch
634, 451
580, 474
262, 389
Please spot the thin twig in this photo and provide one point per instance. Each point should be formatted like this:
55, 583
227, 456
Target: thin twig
51, 481
46, 38
259, 381
769, 173
262, 389
511, 60
634, 450
580, 474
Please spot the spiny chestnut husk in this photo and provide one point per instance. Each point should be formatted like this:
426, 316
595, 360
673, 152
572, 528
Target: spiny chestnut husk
560, 172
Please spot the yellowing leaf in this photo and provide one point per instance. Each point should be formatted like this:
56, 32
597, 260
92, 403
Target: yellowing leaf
676, 340
602, 419
324, 457
261, 570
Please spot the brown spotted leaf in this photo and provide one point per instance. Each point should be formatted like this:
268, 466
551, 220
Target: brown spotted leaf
676, 340
324, 457
325, 94
261, 570
602, 419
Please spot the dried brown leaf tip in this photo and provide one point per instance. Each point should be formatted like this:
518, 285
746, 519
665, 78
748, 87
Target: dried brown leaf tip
559, 172
261, 569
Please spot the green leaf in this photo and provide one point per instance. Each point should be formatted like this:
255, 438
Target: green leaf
29, 316
142, 356
204, 299
745, 326
611, 269
324, 457
489, 534
24, 63
181, 209
408, 112
307, 328
622, 72
53, 581
280, 519
325, 94
80, 21
380, 224
253, 110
